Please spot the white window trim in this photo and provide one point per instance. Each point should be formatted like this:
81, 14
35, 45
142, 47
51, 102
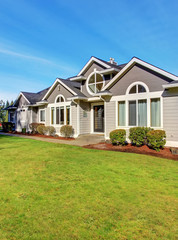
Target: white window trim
137, 83
94, 73
61, 104
44, 122
60, 95
141, 96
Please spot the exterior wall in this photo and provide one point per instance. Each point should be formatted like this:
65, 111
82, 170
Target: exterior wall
138, 73
85, 117
63, 91
110, 117
74, 118
91, 69
47, 122
35, 115
22, 102
23, 115
170, 114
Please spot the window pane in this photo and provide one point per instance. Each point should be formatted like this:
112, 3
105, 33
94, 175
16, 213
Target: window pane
133, 90
58, 100
98, 87
42, 115
142, 113
92, 79
141, 89
121, 113
68, 115
52, 115
92, 88
132, 113
99, 78
155, 112
57, 115
61, 115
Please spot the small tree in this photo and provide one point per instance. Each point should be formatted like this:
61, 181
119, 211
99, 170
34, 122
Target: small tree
2, 112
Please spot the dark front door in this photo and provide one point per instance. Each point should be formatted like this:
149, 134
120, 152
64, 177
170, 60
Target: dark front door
98, 118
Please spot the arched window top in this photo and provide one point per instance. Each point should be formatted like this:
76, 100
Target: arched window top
137, 87
59, 99
95, 83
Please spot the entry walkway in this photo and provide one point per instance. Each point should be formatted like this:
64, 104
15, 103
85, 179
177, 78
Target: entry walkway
82, 140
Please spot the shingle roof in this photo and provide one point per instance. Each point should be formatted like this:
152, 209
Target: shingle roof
75, 86
120, 66
35, 97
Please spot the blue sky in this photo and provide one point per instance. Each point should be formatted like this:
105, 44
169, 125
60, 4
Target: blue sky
42, 40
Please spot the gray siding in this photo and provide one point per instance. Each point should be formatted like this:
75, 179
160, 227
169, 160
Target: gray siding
170, 117
47, 116
63, 91
110, 115
21, 102
91, 69
74, 117
138, 73
85, 119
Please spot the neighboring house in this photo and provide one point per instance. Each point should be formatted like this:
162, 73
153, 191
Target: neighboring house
105, 96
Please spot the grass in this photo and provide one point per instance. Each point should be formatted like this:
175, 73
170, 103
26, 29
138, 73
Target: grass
52, 191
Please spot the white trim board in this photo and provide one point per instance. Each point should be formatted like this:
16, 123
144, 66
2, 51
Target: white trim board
60, 82
93, 59
21, 94
130, 64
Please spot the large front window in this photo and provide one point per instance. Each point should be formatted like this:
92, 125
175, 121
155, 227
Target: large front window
139, 108
95, 83
138, 113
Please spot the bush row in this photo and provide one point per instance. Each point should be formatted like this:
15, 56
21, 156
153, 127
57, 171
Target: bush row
66, 130
139, 136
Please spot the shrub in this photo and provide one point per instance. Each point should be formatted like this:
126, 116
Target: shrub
8, 126
33, 127
156, 139
67, 131
118, 137
138, 135
41, 129
23, 130
50, 130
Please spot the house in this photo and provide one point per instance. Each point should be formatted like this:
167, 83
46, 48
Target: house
105, 96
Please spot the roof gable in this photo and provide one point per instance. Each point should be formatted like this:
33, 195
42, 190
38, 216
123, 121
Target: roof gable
131, 63
91, 61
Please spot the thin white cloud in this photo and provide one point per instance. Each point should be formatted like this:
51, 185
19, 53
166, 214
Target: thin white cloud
16, 54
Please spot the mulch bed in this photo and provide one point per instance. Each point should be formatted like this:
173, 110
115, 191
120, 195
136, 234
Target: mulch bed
42, 136
164, 153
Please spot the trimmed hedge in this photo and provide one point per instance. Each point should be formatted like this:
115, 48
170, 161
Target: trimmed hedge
156, 139
67, 131
50, 130
46, 130
138, 135
33, 127
41, 129
8, 126
118, 137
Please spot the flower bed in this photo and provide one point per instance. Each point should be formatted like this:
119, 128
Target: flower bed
164, 153
43, 136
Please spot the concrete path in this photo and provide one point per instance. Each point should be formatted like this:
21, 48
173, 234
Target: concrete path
82, 140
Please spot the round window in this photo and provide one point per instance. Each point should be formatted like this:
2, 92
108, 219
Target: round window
95, 83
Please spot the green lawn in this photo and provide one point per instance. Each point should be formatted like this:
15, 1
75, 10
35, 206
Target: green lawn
52, 191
